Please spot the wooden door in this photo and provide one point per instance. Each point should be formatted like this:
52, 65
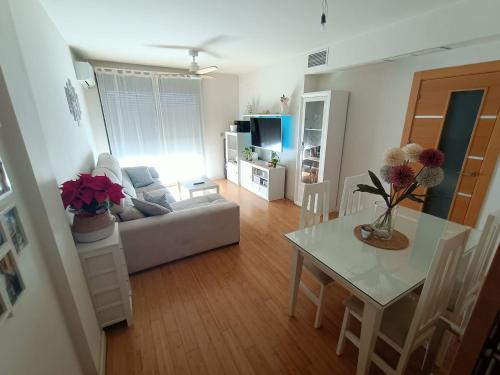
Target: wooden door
434, 100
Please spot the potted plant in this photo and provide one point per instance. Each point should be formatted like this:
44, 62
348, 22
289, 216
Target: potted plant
90, 198
247, 153
274, 159
400, 174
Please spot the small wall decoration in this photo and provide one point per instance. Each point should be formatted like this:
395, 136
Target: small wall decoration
73, 103
10, 279
4, 181
15, 229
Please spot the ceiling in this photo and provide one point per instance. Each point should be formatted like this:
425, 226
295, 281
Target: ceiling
244, 35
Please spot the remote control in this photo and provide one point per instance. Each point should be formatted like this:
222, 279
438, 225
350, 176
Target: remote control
198, 183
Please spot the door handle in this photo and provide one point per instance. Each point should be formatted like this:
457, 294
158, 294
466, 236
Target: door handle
470, 174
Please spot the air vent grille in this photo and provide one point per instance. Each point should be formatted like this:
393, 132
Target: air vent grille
317, 58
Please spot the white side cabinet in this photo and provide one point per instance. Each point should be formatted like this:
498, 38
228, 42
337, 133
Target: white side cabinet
267, 182
235, 144
106, 273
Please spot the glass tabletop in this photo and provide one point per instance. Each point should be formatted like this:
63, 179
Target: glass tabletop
382, 275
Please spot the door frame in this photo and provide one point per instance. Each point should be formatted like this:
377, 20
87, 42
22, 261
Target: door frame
316, 96
490, 158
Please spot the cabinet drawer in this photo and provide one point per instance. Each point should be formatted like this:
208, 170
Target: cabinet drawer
97, 263
103, 280
107, 297
111, 315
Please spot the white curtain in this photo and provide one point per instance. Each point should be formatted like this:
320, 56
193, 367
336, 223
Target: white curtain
154, 120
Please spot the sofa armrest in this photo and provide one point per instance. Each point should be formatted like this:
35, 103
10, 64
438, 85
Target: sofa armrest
155, 240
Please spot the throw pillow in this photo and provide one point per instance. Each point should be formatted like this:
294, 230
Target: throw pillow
140, 176
130, 213
159, 197
150, 209
154, 172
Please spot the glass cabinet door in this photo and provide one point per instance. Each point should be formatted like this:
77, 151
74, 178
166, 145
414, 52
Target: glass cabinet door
311, 141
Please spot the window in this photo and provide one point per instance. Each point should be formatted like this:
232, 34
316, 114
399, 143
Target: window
153, 119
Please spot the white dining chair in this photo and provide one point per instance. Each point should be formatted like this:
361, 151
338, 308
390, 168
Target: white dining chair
351, 200
410, 322
466, 291
315, 206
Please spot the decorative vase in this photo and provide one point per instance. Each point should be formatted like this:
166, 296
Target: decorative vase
284, 108
383, 224
91, 228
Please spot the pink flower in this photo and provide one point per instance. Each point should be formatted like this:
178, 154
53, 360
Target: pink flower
431, 157
401, 176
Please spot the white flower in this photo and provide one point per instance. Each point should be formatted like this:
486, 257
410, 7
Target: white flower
412, 151
430, 177
384, 173
394, 156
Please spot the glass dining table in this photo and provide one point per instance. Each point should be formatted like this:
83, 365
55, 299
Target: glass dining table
377, 277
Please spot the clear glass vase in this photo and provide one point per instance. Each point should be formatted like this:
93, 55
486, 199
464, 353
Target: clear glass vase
384, 220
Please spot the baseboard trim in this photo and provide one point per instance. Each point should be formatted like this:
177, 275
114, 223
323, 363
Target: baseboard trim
102, 361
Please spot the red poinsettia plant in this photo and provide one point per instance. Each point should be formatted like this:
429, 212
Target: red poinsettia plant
90, 195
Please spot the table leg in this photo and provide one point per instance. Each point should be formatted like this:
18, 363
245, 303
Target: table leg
190, 194
295, 272
180, 192
372, 316
217, 189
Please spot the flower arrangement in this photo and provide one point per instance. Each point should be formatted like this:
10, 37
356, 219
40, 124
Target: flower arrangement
398, 171
274, 159
90, 195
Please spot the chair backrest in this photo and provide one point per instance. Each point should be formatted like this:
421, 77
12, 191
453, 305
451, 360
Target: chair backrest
438, 285
351, 201
479, 264
315, 203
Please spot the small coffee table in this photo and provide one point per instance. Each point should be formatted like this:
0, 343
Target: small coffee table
200, 184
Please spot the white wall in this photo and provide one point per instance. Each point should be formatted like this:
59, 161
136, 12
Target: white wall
219, 106
36, 63
263, 89
220, 109
377, 105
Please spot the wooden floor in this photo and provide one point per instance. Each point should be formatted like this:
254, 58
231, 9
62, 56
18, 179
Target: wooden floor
225, 311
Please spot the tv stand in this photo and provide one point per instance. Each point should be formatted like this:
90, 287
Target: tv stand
262, 180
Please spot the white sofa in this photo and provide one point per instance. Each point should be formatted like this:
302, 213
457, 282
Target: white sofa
195, 225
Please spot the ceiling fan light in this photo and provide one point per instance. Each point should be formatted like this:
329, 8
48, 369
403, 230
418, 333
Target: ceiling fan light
206, 70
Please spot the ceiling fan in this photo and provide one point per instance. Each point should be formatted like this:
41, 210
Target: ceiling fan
195, 69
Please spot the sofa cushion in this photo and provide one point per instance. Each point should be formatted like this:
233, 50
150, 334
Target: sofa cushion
102, 171
204, 200
109, 162
140, 176
153, 187
128, 187
159, 197
154, 173
149, 208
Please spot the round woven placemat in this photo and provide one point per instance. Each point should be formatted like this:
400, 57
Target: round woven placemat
398, 240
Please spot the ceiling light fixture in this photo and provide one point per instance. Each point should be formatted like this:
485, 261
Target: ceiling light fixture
324, 9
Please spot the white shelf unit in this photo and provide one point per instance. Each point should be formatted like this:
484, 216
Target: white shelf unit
235, 144
107, 278
267, 182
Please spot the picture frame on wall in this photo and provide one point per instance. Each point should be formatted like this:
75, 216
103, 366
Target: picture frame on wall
14, 228
10, 278
5, 187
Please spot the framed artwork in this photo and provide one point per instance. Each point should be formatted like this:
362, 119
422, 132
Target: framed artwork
15, 229
10, 278
4, 181
73, 103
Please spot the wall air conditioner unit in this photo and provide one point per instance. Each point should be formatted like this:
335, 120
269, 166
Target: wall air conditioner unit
85, 74
317, 58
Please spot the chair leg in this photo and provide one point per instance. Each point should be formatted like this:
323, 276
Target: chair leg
320, 307
343, 329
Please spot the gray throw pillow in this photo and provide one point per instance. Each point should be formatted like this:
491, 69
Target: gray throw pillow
140, 176
154, 172
161, 197
150, 209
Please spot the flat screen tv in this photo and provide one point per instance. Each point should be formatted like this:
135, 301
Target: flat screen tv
266, 133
